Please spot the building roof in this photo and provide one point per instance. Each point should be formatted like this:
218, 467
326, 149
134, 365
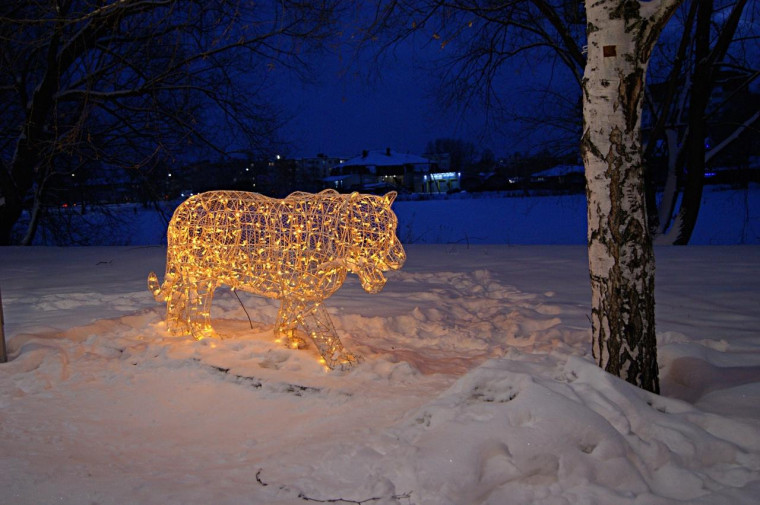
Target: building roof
384, 158
560, 170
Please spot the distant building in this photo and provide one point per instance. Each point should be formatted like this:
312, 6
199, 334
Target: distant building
318, 167
274, 176
442, 160
560, 178
310, 172
385, 170
206, 175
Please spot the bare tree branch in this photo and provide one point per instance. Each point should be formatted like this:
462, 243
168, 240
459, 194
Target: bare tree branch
140, 83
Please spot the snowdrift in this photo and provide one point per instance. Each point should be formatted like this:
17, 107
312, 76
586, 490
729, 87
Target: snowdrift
477, 388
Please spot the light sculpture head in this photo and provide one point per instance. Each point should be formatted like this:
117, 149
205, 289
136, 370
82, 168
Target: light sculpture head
297, 250
373, 249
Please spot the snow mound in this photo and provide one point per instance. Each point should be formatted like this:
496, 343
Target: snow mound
476, 388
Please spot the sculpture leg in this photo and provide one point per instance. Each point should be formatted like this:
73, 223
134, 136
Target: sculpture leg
199, 309
287, 323
177, 317
315, 320
318, 325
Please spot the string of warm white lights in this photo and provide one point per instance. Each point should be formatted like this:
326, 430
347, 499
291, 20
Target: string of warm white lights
297, 250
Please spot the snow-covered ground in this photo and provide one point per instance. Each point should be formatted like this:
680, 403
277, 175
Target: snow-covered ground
727, 216
477, 387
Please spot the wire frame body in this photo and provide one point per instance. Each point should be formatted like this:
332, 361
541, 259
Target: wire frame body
297, 250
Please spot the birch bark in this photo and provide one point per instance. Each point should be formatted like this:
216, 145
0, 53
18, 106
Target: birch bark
621, 35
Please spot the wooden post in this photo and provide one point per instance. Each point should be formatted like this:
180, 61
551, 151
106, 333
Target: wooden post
3, 355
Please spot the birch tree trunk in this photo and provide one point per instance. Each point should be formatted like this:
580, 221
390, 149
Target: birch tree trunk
621, 35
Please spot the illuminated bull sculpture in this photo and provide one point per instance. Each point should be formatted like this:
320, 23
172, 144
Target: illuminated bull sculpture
296, 250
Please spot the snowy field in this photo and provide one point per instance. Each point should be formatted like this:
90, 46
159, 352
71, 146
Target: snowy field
476, 388
727, 217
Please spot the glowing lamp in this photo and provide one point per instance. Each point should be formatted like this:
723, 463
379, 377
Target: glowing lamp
296, 250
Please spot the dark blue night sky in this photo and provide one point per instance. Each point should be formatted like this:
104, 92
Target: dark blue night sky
356, 107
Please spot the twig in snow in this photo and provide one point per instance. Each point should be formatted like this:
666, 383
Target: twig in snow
304, 497
241, 304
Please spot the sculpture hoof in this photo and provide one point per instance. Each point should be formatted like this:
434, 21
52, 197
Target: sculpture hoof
295, 342
345, 362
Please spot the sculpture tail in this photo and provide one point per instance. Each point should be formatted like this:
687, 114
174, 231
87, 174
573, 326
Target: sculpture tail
155, 288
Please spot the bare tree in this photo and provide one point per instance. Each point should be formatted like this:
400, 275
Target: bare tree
685, 110
137, 84
620, 36
479, 41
